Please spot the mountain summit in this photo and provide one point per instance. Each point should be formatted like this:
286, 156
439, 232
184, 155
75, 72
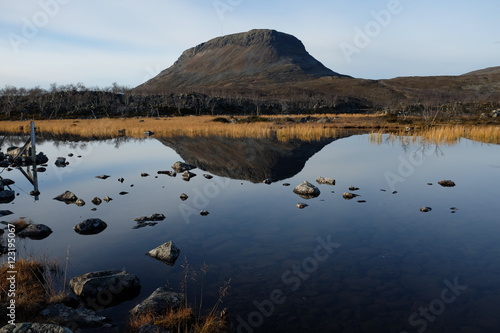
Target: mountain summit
243, 60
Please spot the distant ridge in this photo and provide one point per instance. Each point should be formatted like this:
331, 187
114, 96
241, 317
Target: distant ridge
245, 60
486, 71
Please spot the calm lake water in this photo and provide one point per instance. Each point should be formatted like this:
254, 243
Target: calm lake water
335, 266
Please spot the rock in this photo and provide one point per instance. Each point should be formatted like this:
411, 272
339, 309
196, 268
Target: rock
7, 196
71, 155
362, 201
7, 182
425, 209
268, 181
324, 120
35, 231
90, 227
287, 184
349, 196
204, 213
148, 133
184, 197
207, 176
151, 328
154, 217
302, 205
107, 199
353, 188
143, 224
5, 212
144, 174
81, 316
307, 190
80, 202
34, 328
447, 183
181, 167
168, 173
326, 181
186, 175
160, 301
167, 253
123, 193
34, 193
97, 201
103, 289
102, 177
61, 162
67, 197
121, 180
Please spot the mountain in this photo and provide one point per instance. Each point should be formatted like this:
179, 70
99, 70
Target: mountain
243, 60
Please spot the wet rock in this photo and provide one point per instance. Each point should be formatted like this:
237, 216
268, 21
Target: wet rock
204, 213
325, 181
121, 180
90, 227
102, 177
287, 184
67, 197
7, 196
144, 174
184, 197
349, 196
161, 300
61, 162
80, 202
107, 199
307, 190
425, 209
154, 217
34, 193
268, 181
188, 175
181, 167
207, 176
35, 231
168, 173
167, 253
81, 316
302, 205
353, 188
34, 328
97, 201
447, 183
123, 193
116, 286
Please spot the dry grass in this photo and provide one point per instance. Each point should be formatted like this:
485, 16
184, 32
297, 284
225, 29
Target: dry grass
286, 128
34, 288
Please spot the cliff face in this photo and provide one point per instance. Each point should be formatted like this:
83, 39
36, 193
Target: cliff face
257, 57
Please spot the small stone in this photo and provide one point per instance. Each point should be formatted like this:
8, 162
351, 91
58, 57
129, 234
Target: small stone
121, 180
325, 181
107, 199
287, 184
349, 196
184, 196
207, 176
80, 202
302, 205
353, 188
447, 183
425, 209
144, 174
204, 213
123, 193
361, 201
97, 201
102, 177
268, 181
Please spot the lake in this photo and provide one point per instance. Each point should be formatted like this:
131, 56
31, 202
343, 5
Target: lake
375, 263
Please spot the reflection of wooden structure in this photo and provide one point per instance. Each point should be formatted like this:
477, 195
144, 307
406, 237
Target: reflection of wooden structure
26, 156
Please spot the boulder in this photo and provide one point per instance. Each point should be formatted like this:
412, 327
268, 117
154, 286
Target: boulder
307, 190
327, 181
90, 227
161, 300
167, 253
7, 196
35, 231
181, 167
447, 183
82, 317
34, 328
67, 197
103, 289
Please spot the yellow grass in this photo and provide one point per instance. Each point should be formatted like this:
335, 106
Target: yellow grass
278, 126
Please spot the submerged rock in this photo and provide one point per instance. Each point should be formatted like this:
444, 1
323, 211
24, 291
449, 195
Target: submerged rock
35, 231
160, 301
167, 253
105, 288
90, 227
7, 196
181, 167
307, 190
67, 197
326, 181
447, 183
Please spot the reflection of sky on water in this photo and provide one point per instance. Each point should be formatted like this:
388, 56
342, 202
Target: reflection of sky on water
254, 232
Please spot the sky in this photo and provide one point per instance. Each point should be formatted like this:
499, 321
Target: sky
98, 42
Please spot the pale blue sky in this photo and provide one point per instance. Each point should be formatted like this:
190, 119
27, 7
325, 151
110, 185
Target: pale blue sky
129, 41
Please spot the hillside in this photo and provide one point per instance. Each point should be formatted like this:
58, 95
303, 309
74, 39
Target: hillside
244, 60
